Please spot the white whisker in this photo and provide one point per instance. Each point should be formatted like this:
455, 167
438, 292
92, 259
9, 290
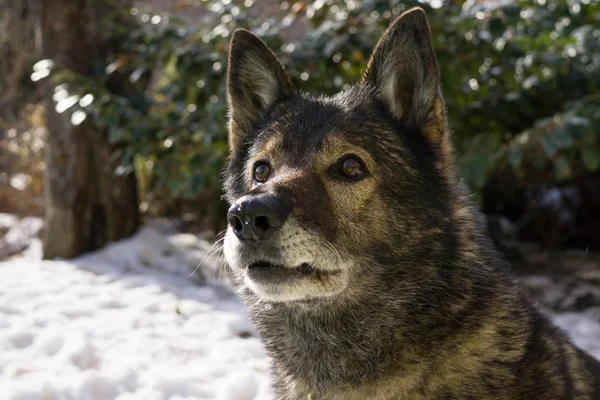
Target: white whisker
206, 256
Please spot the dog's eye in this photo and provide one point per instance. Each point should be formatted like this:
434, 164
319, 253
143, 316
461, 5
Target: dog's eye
262, 170
352, 167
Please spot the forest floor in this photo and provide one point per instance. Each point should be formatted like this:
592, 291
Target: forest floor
127, 322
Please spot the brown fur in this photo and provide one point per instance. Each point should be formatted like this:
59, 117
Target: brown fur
404, 296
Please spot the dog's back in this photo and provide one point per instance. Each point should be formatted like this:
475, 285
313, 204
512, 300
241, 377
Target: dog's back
359, 257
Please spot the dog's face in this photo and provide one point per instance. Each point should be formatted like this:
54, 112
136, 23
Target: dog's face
326, 193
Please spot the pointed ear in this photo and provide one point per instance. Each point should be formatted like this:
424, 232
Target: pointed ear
255, 81
404, 70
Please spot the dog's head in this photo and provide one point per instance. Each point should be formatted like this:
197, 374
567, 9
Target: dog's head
330, 196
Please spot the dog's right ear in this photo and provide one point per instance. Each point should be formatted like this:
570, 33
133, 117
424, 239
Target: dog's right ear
255, 81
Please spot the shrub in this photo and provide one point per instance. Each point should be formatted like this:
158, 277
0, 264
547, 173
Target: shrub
521, 81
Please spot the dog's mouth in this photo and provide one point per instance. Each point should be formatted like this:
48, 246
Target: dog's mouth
267, 272
304, 283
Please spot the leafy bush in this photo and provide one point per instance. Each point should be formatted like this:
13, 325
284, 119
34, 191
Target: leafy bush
521, 81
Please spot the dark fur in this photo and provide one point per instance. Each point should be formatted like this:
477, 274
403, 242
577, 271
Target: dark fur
429, 310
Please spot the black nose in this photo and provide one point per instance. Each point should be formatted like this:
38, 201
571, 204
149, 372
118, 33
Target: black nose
256, 217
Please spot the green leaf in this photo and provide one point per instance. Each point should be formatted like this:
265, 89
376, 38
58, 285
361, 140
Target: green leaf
562, 168
576, 122
115, 134
515, 156
563, 139
591, 158
549, 145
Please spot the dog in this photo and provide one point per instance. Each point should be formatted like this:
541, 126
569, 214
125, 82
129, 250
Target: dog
358, 255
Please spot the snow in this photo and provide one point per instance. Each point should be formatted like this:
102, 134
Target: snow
128, 323
582, 328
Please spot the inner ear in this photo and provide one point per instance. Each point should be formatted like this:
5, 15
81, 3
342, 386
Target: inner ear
256, 80
404, 70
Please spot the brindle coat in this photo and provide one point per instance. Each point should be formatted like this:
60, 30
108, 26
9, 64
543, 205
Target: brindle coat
384, 286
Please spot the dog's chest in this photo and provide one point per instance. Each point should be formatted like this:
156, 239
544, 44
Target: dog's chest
381, 389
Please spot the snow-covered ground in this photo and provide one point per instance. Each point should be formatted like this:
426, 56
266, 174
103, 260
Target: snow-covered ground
127, 323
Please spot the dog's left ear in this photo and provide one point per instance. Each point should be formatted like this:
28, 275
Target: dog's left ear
404, 70
255, 81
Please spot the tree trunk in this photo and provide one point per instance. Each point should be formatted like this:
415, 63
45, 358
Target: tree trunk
19, 47
87, 204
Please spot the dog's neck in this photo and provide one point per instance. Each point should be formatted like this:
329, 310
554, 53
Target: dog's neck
325, 349
346, 345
